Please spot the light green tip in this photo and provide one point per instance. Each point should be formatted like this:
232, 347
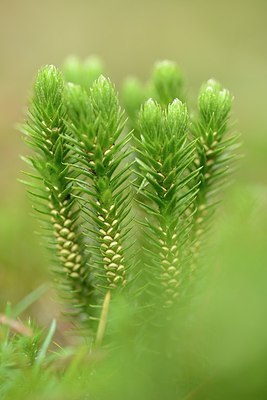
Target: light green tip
48, 89
214, 102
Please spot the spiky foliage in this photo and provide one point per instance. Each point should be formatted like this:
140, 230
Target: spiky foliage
81, 185
96, 122
51, 190
164, 154
164, 85
214, 156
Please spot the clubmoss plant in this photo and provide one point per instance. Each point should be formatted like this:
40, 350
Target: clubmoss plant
83, 183
215, 155
96, 122
52, 191
164, 155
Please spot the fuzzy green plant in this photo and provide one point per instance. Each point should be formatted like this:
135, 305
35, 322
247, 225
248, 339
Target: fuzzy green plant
215, 156
164, 155
96, 123
89, 162
51, 189
82, 73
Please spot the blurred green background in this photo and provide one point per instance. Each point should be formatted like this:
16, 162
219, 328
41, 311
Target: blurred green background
226, 40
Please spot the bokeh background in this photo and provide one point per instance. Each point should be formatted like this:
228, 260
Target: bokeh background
222, 39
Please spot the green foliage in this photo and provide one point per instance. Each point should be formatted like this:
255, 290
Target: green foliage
96, 124
215, 152
214, 350
82, 73
164, 155
83, 183
51, 190
20, 344
167, 83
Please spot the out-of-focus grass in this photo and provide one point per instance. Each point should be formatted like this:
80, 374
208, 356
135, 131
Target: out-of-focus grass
215, 348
